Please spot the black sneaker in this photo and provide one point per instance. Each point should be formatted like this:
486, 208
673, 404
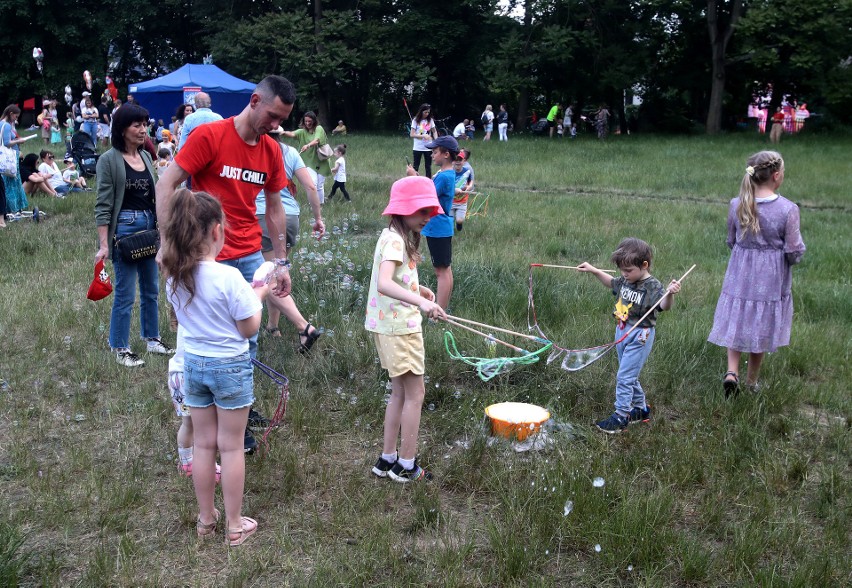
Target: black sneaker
399, 474
639, 415
382, 467
255, 419
615, 423
250, 443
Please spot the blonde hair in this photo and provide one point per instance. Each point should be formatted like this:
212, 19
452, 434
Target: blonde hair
760, 168
411, 238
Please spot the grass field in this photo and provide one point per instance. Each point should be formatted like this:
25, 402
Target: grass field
751, 492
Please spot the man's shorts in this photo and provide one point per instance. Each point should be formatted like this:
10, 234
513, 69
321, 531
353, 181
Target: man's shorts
440, 250
551, 123
292, 232
400, 354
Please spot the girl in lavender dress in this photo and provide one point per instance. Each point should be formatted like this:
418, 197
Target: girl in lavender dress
755, 309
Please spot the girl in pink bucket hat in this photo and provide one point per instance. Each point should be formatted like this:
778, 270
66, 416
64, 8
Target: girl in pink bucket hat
394, 304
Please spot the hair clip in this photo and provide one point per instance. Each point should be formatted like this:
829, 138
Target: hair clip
750, 171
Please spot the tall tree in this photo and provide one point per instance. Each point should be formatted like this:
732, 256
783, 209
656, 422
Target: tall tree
722, 18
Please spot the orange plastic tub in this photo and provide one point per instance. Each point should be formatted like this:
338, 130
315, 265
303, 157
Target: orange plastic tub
516, 420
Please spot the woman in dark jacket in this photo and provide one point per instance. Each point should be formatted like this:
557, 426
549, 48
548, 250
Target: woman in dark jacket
125, 205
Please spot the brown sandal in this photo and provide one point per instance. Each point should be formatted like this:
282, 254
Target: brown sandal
207, 530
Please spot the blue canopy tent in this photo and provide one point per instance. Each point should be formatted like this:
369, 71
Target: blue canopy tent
162, 96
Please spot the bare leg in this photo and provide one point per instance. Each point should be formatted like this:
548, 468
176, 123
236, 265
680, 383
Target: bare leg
232, 426
733, 363
753, 373
414, 390
185, 433
205, 423
393, 415
445, 285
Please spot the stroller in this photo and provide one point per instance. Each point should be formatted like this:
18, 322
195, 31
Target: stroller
84, 153
540, 127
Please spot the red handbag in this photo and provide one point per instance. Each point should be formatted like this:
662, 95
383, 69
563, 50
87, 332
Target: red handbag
101, 286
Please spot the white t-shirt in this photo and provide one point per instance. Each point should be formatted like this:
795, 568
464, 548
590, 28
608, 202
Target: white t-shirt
222, 297
459, 130
70, 176
340, 176
55, 178
424, 127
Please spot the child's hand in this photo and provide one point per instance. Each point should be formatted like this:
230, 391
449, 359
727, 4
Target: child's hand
427, 294
586, 267
674, 287
410, 171
432, 310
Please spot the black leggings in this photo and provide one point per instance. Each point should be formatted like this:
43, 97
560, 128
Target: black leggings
2, 199
342, 186
427, 155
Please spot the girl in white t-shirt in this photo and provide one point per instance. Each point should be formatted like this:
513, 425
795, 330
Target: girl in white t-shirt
218, 312
339, 172
392, 316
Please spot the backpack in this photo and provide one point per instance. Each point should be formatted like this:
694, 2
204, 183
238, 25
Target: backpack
484, 119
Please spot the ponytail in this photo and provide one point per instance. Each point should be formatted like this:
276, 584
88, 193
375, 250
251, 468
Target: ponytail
759, 170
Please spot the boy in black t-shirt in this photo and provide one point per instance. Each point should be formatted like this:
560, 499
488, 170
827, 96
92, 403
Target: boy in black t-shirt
636, 291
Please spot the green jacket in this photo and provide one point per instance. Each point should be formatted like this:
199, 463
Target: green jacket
111, 180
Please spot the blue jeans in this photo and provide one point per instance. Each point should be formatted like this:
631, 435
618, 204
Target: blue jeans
124, 287
247, 266
91, 128
632, 354
226, 382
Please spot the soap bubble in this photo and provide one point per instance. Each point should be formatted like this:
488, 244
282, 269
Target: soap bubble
598, 482
598, 548
569, 506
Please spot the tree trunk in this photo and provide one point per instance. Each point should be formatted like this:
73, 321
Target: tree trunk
720, 36
322, 79
523, 104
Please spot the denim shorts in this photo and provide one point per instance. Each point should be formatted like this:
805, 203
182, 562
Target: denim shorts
226, 382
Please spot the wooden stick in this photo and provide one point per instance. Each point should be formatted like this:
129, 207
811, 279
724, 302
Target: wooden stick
489, 337
507, 331
565, 267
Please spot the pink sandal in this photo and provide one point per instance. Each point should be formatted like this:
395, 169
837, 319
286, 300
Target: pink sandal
246, 530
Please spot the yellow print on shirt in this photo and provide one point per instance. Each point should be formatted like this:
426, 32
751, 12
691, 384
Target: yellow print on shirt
622, 310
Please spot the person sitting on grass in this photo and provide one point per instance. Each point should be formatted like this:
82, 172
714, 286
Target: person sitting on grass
75, 182
340, 129
50, 171
636, 291
33, 180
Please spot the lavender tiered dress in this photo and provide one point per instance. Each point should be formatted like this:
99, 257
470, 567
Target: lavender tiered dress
755, 309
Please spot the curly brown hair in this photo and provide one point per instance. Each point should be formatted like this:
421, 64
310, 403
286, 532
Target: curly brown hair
192, 216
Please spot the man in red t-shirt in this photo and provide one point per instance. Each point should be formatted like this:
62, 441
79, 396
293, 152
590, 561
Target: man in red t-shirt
233, 159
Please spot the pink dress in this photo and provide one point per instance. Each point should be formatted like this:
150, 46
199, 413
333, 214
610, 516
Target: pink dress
755, 309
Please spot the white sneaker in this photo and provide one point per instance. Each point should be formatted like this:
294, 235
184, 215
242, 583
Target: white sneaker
127, 358
157, 346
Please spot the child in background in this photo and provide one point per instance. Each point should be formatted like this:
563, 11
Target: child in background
339, 173
755, 309
55, 132
393, 318
164, 158
464, 186
439, 230
184, 434
72, 177
218, 312
636, 291
69, 131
